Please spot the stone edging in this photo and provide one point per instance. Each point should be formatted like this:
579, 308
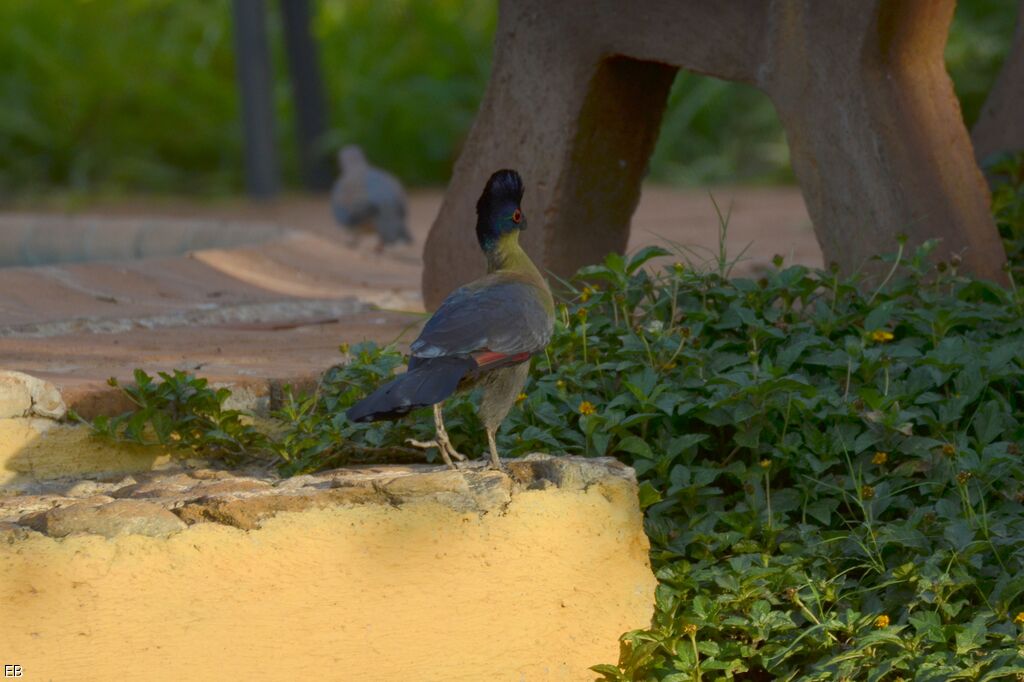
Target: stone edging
162, 503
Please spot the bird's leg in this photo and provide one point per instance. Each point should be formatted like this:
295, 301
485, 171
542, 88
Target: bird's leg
441, 441
442, 435
493, 445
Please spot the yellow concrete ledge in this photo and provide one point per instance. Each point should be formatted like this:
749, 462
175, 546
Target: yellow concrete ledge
538, 588
33, 449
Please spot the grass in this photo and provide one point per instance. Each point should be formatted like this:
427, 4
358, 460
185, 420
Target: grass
140, 95
831, 474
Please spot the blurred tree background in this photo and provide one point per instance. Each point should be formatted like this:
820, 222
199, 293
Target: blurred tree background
140, 96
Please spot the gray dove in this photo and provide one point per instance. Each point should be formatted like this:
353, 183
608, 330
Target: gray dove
365, 198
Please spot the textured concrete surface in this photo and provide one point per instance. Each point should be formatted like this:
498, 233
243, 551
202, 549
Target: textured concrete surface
385, 573
577, 91
44, 239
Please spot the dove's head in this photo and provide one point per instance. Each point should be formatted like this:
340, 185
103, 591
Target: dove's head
499, 211
351, 156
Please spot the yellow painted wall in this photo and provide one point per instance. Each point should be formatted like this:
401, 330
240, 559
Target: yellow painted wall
372, 592
33, 449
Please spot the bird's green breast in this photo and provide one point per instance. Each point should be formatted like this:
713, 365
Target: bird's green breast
508, 261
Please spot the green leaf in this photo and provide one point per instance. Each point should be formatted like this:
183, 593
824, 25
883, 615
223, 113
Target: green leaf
879, 316
822, 510
643, 255
928, 625
679, 444
971, 636
636, 446
615, 263
959, 534
610, 672
988, 422
648, 495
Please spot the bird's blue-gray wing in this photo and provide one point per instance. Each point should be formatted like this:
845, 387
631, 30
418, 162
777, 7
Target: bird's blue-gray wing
391, 225
387, 195
382, 189
503, 317
350, 203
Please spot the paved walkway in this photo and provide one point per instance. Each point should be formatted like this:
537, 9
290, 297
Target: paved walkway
275, 311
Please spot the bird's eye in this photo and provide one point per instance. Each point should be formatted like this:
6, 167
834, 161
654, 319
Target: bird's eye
517, 216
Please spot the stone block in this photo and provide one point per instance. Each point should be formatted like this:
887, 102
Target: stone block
116, 517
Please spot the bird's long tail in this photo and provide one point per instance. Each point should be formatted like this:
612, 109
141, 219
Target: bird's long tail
427, 382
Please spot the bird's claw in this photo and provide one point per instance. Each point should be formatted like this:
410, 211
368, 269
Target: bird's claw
492, 466
448, 453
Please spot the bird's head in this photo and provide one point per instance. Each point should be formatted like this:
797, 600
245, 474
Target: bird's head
498, 211
351, 156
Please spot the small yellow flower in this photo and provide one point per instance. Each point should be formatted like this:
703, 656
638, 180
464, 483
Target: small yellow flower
880, 457
882, 622
585, 294
949, 450
521, 397
587, 407
963, 477
882, 336
689, 629
765, 463
1019, 618
867, 492
560, 385
343, 348
678, 267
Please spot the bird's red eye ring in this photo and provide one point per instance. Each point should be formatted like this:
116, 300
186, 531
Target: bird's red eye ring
517, 216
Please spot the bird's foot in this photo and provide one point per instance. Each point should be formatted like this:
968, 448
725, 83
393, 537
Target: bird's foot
448, 453
455, 454
491, 465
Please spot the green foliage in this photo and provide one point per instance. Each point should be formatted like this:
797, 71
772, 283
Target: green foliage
1007, 173
141, 95
832, 476
182, 411
978, 42
404, 78
136, 94
715, 131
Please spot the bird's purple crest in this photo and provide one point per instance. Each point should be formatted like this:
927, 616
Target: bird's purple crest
499, 210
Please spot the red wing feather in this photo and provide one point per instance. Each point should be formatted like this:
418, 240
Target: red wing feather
487, 359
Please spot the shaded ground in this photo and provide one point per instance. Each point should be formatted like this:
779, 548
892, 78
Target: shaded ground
275, 312
772, 219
